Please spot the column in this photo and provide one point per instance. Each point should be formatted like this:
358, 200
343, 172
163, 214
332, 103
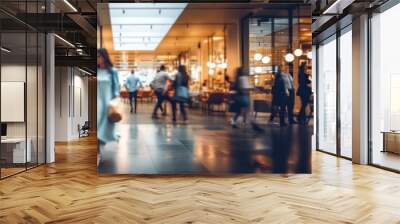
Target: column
360, 90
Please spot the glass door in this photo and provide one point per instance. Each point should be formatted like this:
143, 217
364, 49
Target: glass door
385, 89
346, 95
326, 96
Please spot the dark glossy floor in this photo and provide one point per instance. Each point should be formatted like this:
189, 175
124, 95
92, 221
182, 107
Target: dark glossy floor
204, 145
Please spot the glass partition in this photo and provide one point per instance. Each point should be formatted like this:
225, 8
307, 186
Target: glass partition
346, 93
14, 151
385, 88
326, 96
22, 95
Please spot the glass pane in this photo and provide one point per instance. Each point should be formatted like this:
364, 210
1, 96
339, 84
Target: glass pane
41, 99
346, 94
385, 83
327, 96
31, 97
13, 85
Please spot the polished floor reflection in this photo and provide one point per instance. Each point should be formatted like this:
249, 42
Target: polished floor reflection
206, 144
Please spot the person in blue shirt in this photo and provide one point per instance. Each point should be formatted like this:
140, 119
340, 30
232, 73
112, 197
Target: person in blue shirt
132, 84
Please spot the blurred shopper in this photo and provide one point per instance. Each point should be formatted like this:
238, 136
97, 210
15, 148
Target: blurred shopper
132, 84
181, 92
107, 90
275, 98
304, 91
285, 94
159, 85
241, 99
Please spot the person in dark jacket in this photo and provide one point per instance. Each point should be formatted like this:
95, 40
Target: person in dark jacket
181, 91
304, 92
275, 101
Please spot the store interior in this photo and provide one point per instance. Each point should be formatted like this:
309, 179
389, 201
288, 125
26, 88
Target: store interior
211, 40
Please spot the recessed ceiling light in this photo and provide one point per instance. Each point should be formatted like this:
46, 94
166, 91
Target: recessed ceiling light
134, 32
5, 50
70, 5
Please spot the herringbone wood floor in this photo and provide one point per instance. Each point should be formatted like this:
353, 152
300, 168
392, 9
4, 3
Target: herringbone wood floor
71, 191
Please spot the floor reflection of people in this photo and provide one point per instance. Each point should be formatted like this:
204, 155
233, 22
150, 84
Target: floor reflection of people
107, 90
281, 148
159, 85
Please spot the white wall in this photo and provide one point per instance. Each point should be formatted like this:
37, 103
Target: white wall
71, 102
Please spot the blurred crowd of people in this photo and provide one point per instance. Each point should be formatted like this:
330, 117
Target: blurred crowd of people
175, 91
283, 96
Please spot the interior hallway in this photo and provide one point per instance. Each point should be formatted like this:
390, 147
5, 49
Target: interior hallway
71, 191
205, 144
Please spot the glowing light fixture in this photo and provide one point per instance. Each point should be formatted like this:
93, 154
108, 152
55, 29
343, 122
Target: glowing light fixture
266, 59
223, 65
5, 50
211, 72
257, 56
70, 5
84, 71
129, 32
309, 55
65, 41
211, 64
298, 52
289, 57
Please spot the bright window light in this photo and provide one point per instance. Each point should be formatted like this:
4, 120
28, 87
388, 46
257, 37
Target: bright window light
142, 26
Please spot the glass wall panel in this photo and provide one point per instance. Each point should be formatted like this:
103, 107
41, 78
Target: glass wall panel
22, 89
346, 93
326, 95
385, 89
32, 96
41, 98
13, 87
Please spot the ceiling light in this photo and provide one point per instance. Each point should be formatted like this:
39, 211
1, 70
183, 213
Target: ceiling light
223, 65
65, 41
266, 59
289, 57
5, 49
298, 52
211, 64
257, 56
158, 24
70, 5
309, 55
86, 72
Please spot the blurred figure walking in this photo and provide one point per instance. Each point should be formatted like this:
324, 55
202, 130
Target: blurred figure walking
275, 97
241, 99
132, 84
304, 92
284, 89
181, 92
107, 89
159, 85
